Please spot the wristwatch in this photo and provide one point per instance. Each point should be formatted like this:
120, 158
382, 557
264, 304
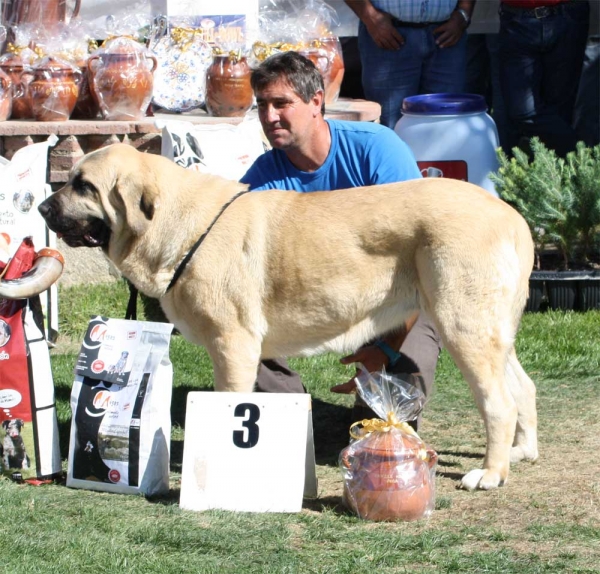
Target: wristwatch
392, 355
465, 16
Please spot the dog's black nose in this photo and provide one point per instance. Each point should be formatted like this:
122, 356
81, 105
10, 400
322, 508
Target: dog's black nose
45, 208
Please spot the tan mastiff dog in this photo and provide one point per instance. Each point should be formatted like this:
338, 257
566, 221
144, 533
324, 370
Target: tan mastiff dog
283, 274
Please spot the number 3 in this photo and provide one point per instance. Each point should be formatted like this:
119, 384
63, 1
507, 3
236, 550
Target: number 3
253, 414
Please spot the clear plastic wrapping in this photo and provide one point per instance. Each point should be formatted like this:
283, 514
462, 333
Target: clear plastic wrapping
121, 78
388, 471
304, 26
54, 89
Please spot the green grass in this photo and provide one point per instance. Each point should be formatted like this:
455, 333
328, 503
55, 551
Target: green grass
546, 520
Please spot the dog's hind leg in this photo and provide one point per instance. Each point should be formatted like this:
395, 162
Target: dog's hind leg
483, 364
523, 391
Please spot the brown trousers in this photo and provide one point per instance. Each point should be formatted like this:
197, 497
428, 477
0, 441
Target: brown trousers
420, 351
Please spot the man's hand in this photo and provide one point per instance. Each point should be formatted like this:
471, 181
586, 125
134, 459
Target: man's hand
373, 360
378, 24
451, 31
383, 32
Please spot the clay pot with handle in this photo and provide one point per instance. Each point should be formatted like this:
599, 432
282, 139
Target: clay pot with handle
122, 79
389, 476
21, 75
5, 96
47, 12
228, 89
54, 90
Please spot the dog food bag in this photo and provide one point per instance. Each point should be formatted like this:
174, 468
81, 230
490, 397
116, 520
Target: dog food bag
121, 404
29, 442
388, 471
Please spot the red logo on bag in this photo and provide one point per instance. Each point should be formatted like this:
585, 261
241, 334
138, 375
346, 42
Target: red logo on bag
114, 475
98, 332
98, 366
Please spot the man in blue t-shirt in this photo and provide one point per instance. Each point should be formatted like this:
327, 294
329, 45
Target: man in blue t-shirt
311, 153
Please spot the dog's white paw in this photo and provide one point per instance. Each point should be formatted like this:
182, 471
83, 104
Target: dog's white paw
519, 453
481, 479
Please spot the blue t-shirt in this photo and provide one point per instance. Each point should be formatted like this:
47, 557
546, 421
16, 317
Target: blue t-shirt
362, 153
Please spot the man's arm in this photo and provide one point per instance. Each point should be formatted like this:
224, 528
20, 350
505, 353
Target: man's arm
378, 24
373, 357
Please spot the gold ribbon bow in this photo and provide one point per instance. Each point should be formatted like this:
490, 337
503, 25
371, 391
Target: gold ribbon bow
13, 49
234, 55
185, 36
262, 50
379, 425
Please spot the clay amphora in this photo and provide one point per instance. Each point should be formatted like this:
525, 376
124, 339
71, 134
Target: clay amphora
387, 477
47, 12
5, 96
335, 74
20, 75
228, 89
87, 107
54, 90
121, 79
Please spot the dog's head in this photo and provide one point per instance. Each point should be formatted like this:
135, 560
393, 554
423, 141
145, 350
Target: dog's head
13, 427
109, 191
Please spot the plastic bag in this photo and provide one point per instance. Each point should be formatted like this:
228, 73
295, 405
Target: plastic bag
388, 471
303, 26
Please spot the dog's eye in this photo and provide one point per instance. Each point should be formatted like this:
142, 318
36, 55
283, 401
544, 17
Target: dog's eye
83, 187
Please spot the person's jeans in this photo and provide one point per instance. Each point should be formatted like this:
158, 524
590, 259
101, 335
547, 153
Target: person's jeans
483, 78
587, 106
418, 67
540, 62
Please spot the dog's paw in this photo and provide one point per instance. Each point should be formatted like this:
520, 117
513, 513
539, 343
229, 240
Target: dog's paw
519, 453
481, 479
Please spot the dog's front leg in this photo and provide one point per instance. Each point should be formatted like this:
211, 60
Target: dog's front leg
235, 361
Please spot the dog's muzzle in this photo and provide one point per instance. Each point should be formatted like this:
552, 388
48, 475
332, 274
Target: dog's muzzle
91, 232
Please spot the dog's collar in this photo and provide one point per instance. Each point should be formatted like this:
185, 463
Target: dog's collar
186, 259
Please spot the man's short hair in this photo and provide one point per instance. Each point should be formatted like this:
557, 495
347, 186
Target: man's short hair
299, 72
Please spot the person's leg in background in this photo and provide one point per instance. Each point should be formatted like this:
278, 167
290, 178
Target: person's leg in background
352, 82
540, 64
420, 352
587, 106
444, 69
388, 76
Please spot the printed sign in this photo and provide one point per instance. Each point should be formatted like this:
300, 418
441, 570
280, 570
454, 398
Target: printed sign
246, 451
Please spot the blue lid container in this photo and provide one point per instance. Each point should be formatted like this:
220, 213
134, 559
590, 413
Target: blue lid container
444, 104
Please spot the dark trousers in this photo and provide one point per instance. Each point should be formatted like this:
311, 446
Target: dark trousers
540, 62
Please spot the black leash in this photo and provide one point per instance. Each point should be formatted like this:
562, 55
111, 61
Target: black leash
131, 313
194, 248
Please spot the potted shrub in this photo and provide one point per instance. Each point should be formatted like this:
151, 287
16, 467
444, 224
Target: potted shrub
560, 200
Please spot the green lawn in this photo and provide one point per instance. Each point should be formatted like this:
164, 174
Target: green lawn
547, 519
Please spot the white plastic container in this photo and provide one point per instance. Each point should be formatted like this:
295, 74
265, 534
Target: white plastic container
451, 135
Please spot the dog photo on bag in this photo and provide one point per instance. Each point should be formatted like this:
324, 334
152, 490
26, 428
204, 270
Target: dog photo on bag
270, 274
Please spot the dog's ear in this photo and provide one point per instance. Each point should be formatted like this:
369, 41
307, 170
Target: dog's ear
137, 199
5, 424
20, 423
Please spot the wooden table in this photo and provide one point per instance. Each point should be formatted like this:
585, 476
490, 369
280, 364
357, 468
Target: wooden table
78, 137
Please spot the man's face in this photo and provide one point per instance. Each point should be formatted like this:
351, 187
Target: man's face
286, 120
